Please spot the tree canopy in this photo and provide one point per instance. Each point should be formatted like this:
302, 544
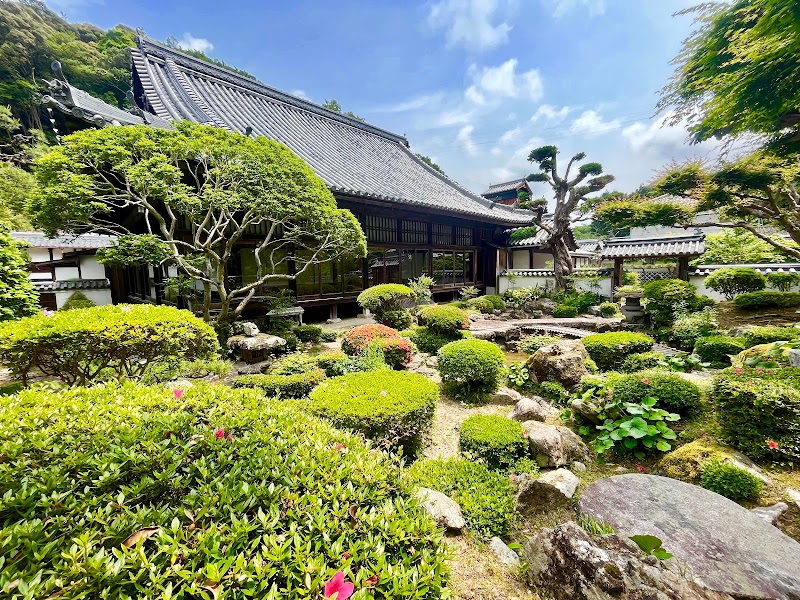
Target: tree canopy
429, 161
200, 189
334, 105
738, 246
17, 297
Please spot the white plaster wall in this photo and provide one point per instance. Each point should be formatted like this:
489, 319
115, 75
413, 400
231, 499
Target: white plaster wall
584, 284
699, 283
65, 273
38, 254
521, 259
99, 297
91, 269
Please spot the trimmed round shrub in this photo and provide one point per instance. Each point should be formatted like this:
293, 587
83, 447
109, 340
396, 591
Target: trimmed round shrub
360, 338
393, 408
338, 363
690, 327
327, 335
732, 281
565, 311
293, 364
164, 493
555, 392
666, 297
485, 497
686, 462
471, 369
397, 319
497, 441
608, 350
298, 385
430, 341
760, 412
758, 300
444, 319
609, 309
482, 304
397, 352
77, 300
641, 362
385, 301
755, 336
308, 333
783, 282
730, 481
718, 349
531, 343
496, 301
90, 344
674, 393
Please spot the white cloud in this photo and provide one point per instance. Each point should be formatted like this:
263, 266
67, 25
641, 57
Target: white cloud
591, 124
470, 23
510, 135
451, 117
189, 42
464, 138
503, 81
656, 139
560, 8
548, 112
299, 94
416, 103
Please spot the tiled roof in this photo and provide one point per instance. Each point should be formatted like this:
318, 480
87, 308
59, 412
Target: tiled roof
540, 237
580, 271
655, 247
352, 157
590, 245
70, 284
764, 269
86, 241
503, 187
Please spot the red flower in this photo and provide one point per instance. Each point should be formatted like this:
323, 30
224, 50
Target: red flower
338, 589
219, 433
228, 437
646, 381
178, 393
773, 445
640, 468
760, 371
346, 555
738, 370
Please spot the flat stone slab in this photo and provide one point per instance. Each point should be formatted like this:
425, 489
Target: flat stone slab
725, 546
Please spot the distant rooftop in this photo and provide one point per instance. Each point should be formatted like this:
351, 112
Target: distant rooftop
654, 247
85, 241
506, 186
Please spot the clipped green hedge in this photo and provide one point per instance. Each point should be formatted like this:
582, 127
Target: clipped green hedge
564, 311
758, 300
485, 497
471, 369
394, 408
759, 411
386, 303
430, 341
497, 441
77, 300
482, 304
448, 320
298, 385
730, 481
674, 393
732, 281
207, 483
497, 301
718, 349
755, 336
609, 350
641, 362
308, 333
84, 345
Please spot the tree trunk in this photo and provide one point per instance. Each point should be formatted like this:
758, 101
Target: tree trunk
562, 263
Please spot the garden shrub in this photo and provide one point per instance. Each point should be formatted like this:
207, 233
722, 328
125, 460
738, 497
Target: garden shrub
565, 311
393, 408
327, 335
338, 363
485, 497
718, 349
202, 482
758, 300
360, 338
760, 412
77, 300
732, 281
522, 298
88, 344
755, 336
783, 282
609, 309
636, 427
308, 333
497, 301
519, 378
386, 302
664, 298
297, 385
431, 341
482, 304
471, 369
686, 462
764, 356
397, 352
673, 391
641, 362
293, 364
730, 481
197, 369
608, 350
555, 392
690, 327
444, 319
18, 298
531, 343
497, 441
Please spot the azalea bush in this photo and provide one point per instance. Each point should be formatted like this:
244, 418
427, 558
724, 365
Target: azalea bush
673, 391
296, 385
761, 300
84, 345
338, 363
497, 441
755, 336
565, 311
732, 281
360, 338
718, 349
471, 369
134, 492
427, 340
447, 320
610, 349
387, 302
307, 333
395, 409
397, 352
642, 361
730, 481
482, 304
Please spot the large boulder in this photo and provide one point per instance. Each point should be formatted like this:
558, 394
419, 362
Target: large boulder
563, 361
444, 510
504, 554
505, 396
573, 566
724, 546
554, 445
535, 408
553, 488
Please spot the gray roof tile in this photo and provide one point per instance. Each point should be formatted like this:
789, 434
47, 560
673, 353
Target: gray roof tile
506, 186
86, 241
685, 245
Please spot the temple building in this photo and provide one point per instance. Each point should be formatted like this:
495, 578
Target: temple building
508, 192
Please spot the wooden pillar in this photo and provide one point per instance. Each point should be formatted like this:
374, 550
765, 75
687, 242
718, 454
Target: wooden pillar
617, 280
683, 268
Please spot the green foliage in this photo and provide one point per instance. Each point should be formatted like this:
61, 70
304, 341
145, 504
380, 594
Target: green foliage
17, 188
386, 302
77, 300
564, 311
759, 409
634, 363
134, 250
518, 377
297, 385
470, 369
755, 336
431, 341
692, 326
162, 497
609, 309
293, 364
395, 409
684, 362
577, 299
718, 349
783, 282
84, 345
522, 233
730, 481
593, 526
555, 392
485, 497
397, 352
197, 369
731, 282
635, 427
496, 301
523, 299
482, 304
608, 350
618, 215
495, 440
327, 335
421, 292
531, 343
429, 161
308, 333
17, 297
673, 391
758, 300
359, 338
651, 545
738, 246
666, 298
448, 320
338, 363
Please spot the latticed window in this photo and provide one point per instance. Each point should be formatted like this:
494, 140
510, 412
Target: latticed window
380, 229
442, 234
464, 236
415, 232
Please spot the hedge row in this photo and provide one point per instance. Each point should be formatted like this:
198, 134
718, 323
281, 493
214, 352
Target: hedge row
609, 350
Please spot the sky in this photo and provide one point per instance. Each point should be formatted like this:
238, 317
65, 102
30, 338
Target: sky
474, 84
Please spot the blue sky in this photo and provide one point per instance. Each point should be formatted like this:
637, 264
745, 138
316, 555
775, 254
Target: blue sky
475, 84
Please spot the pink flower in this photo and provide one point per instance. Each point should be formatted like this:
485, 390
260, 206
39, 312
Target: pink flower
773, 445
640, 468
338, 589
771, 371
646, 381
346, 555
228, 437
738, 370
513, 477
340, 448
219, 433
178, 393
383, 393
760, 371
125, 308
48, 313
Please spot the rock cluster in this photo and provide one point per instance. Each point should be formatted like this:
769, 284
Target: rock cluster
563, 361
554, 445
